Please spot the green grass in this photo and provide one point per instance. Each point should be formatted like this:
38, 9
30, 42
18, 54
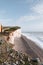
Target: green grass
12, 28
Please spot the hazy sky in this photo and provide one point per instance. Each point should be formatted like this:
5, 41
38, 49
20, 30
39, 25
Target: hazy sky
26, 13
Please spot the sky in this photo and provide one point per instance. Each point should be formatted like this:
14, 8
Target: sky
28, 14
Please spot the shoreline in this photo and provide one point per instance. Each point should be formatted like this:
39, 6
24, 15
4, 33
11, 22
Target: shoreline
35, 40
29, 47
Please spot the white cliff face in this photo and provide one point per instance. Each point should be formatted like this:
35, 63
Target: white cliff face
14, 35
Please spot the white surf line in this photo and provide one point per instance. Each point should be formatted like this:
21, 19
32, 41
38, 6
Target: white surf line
34, 39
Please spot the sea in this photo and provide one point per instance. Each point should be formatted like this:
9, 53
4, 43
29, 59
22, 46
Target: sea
37, 37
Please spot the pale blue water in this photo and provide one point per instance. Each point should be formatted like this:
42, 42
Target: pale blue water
36, 37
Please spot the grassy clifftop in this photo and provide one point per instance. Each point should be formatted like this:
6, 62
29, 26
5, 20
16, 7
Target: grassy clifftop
12, 28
